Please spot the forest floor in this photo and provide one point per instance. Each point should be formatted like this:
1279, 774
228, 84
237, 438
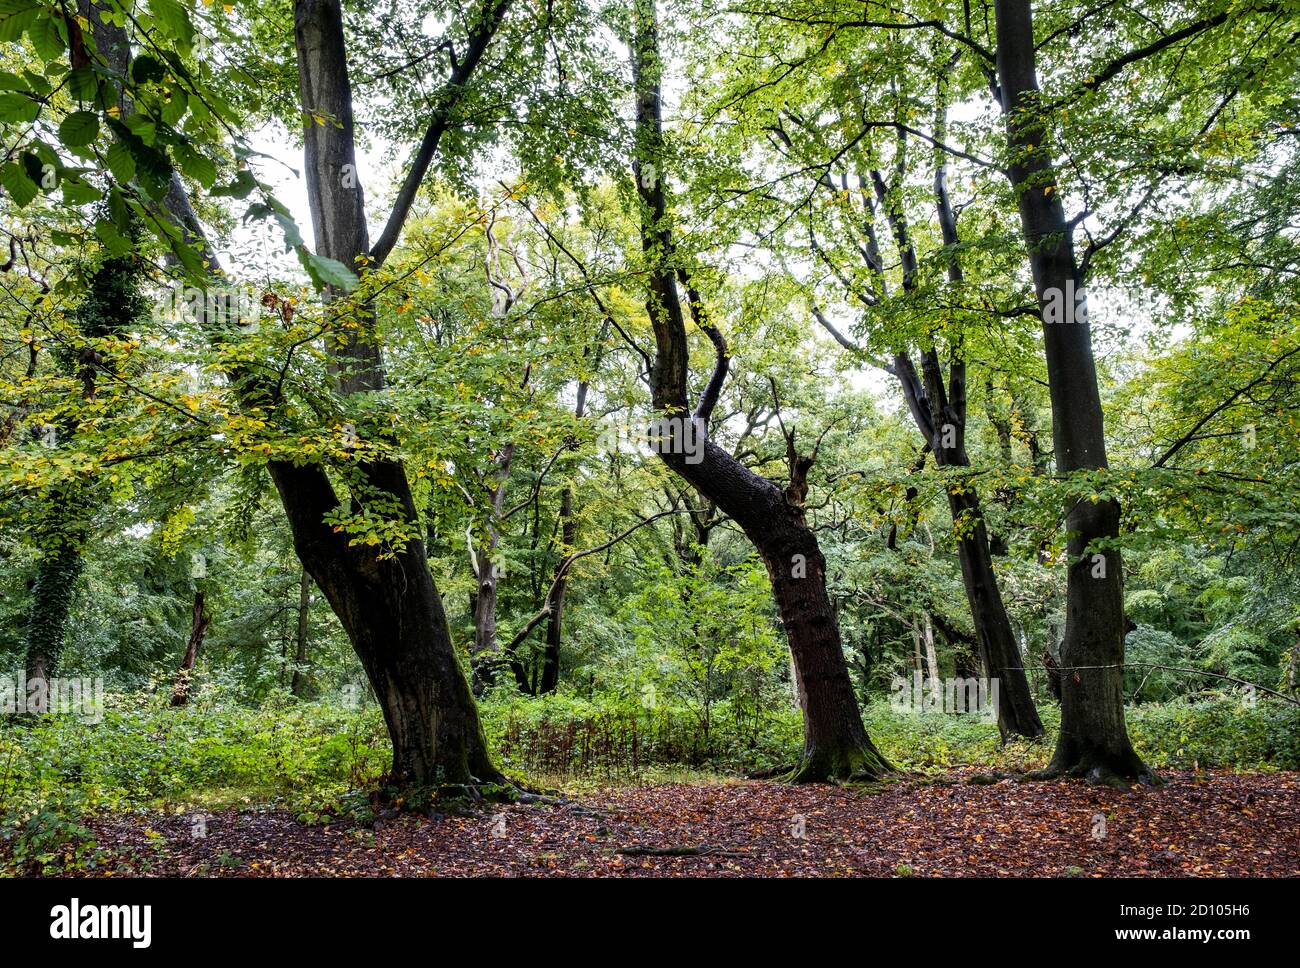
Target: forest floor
1197, 825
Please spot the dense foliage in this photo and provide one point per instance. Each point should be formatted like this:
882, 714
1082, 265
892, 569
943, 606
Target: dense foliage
613, 616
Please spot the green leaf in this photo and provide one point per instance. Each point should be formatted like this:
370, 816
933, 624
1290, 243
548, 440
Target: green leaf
79, 129
121, 163
241, 187
199, 167
38, 83
79, 192
15, 17
146, 68
174, 19
18, 108
325, 271
142, 128
152, 167
173, 108
83, 84
19, 187
47, 38
117, 209
113, 240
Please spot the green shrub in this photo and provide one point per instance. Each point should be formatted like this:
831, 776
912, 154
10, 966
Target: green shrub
320, 759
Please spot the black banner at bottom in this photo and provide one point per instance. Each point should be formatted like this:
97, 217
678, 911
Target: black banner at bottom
145, 918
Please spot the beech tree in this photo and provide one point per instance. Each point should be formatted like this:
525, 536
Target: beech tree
836, 745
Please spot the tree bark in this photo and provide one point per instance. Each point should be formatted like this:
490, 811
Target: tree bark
389, 608
484, 655
550, 674
836, 745
1093, 741
198, 629
931, 657
939, 410
394, 618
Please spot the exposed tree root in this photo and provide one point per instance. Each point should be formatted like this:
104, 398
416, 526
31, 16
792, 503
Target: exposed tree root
772, 773
862, 764
1099, 774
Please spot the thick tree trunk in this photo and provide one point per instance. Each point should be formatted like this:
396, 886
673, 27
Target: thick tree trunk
836, 745
389, 607
298, 684
394, 618
198, 629
1093, 741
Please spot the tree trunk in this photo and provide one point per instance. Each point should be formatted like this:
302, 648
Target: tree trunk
47, 616
836, 745
550, 676
1002, 661
931, 659
389, 608
549, 679
1093, 741
394, 618
198, 628
298, 684
1293, 667
939, 409
484, 655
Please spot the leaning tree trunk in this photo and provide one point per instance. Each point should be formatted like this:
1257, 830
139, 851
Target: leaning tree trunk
999, 650
1094, 740
389, 608
198, 629
836, 745
394, 617
939, 409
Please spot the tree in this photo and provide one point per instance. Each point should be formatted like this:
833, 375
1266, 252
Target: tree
386, 601
836, 745
1093, 741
